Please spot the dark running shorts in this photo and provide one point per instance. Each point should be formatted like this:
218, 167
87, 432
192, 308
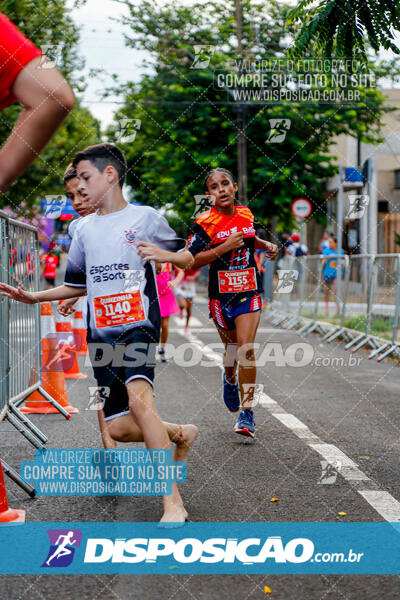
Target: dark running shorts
329, 279
224, 315
138, 352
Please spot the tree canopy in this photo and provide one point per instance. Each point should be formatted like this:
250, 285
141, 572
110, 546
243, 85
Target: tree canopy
345, 28
186, 123
49, 25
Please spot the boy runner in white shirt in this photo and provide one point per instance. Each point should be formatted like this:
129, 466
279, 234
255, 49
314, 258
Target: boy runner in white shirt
118, 425
109, 263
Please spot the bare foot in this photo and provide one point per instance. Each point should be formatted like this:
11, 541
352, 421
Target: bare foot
173, 513
109, 443
184, 441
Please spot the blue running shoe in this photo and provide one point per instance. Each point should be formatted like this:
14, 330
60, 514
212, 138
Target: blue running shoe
231, 395
245, 424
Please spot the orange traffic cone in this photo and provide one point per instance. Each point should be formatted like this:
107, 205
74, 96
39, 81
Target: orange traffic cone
52, 370
66, 342
7, 514
78, 327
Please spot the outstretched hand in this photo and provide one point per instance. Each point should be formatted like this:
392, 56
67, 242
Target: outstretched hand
17, 294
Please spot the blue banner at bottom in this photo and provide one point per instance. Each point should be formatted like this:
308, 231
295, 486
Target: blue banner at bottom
200, 548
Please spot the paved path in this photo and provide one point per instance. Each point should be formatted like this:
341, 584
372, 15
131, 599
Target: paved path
314, 406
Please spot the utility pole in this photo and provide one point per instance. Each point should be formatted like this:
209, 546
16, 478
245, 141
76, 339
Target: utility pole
241, 116
339, 237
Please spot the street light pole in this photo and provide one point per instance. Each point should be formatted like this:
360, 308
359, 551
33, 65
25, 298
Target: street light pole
339, 237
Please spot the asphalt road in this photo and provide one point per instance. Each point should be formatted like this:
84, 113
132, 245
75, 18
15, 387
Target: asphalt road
313, 404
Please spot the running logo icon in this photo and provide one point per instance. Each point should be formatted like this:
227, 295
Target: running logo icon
279, 129
203, 203
329, 472
130, 236
357, 206
97, 397
53, 206
133, 279
62, 547
286, 280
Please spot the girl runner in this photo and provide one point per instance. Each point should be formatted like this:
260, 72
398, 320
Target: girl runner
225, 237
168, 305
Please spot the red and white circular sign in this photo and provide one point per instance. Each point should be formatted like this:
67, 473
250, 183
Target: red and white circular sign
301, 208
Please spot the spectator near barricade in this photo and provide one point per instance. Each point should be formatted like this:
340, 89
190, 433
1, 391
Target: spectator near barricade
324, 243
329, 272
285, 244
296, 248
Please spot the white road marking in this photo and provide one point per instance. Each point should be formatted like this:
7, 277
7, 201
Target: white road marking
333, 455
382, 502
194, 322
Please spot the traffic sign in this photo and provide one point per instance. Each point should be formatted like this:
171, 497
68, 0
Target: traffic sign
301, 208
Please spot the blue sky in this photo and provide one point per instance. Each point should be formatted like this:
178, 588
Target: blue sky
102, 46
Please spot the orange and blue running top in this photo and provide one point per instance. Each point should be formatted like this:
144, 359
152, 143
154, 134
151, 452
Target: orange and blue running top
234, 274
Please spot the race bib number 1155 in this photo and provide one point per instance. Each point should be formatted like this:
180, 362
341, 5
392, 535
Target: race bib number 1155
231, 282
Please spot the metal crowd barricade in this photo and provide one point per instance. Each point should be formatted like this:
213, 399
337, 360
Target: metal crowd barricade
296, 297
3, 320
367, 301
338, 330
310, 275
283, 291
20, 341
386, 303
358, 304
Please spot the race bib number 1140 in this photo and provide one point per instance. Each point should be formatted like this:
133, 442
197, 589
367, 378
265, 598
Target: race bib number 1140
119, 309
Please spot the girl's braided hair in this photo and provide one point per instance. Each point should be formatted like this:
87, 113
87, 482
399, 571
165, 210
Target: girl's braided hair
218, 170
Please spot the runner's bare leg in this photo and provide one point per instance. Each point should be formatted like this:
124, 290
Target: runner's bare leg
189, 305
228, 338
142, 407
246, 330
164, 331
125, 429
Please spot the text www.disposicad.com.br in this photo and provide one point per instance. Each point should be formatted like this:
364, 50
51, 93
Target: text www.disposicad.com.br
64, 488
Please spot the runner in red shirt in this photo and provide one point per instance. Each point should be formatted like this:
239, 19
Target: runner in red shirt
49, 266
44, 93
225, 237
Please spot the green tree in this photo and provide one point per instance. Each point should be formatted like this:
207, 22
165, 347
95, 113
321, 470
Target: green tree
188, 123
345, 28
48, 24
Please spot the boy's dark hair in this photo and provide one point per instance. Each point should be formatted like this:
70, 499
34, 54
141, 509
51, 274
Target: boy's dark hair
70, 173
218, 170
103, 155
333, 237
